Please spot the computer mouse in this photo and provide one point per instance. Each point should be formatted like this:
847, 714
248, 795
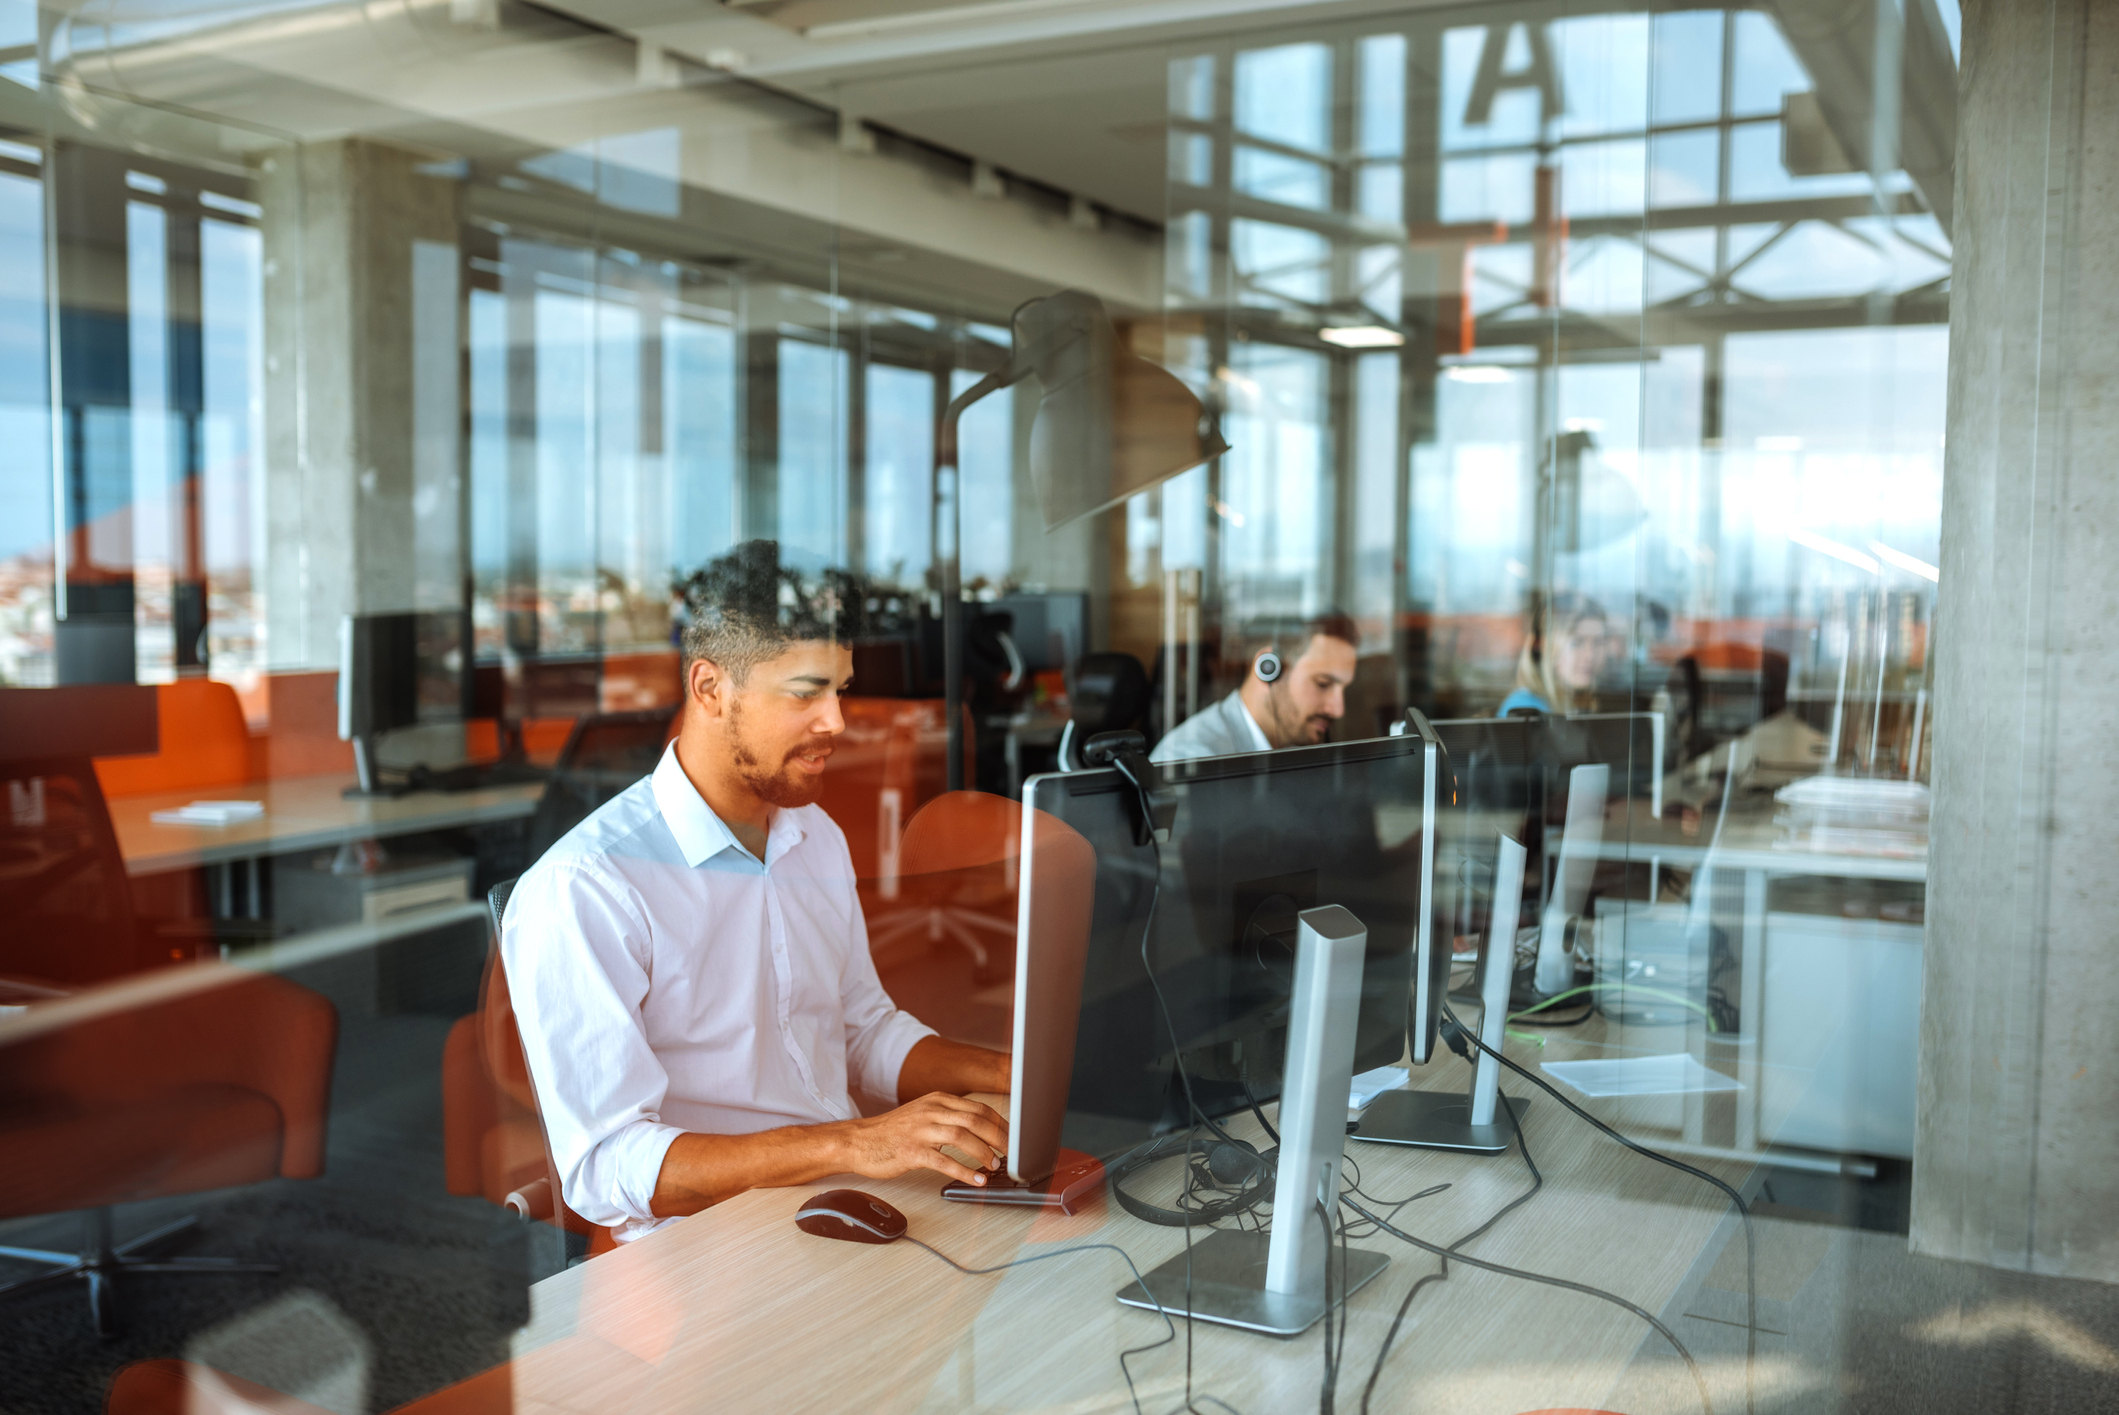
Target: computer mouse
852, 1215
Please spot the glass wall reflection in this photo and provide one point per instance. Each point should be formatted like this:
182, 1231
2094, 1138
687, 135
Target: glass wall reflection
1592, 364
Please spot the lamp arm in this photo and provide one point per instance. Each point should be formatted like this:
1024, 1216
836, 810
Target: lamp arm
946, 483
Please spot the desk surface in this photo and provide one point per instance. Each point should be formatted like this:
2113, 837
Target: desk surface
738, 1310
301, 813
1746, 843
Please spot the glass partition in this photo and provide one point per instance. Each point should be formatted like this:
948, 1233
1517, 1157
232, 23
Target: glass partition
395, 403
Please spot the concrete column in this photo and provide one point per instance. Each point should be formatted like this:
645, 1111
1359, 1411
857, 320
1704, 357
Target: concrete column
362, 406
2016, 1158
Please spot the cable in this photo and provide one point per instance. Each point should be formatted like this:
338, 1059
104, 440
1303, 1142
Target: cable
1331, 1373
1743, 1209
1244, 1076
1699, 1377
1712, 1024
1193, 1112
1138, 1281
1537, 1182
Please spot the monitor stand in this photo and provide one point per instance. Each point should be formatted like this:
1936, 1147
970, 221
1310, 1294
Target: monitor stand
368, 775
1076, 1178
1276, 1283
1448, 1120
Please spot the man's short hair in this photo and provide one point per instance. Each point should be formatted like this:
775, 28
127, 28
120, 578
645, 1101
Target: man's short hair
747, 607
1292, 637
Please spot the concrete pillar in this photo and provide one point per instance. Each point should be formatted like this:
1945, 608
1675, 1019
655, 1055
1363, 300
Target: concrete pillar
363, 407
2016, 1159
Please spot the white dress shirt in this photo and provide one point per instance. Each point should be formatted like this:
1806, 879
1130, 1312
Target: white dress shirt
1226, 729
666, 980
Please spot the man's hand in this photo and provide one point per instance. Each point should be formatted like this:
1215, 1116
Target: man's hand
701, 1170
910, 1137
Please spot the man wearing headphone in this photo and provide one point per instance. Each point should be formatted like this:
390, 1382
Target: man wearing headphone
1294, 692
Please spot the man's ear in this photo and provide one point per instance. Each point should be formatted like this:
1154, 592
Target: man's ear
705, 683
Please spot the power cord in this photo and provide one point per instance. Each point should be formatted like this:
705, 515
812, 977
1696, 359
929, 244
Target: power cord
1123, 1356
1537, 1182
1743, 1209
1699, 1377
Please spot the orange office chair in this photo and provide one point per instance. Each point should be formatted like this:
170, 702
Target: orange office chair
205, 743
958, 869
493, 1142
173, 1082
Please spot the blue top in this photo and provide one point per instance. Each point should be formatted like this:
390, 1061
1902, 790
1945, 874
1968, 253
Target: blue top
1522, 698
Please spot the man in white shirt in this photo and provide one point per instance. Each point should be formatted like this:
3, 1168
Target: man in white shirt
1294, 707
690, 968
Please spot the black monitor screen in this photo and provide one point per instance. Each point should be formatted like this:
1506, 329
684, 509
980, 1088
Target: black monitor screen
1256, 840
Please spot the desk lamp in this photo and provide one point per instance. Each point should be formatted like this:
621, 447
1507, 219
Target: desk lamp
1111, 425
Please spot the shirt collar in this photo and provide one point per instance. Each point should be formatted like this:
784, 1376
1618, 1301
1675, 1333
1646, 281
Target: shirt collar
1258, 734
701, 834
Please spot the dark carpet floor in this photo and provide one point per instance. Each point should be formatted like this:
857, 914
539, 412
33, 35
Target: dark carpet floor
427, 1287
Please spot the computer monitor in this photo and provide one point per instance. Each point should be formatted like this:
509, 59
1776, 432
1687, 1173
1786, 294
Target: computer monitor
1515, 776
1049, 629
395, 671
1256, 839
378, 686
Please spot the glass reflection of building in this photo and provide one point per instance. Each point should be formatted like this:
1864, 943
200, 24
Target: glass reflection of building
516, 314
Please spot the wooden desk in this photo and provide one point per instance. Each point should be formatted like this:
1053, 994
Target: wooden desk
735, 1309
301, 813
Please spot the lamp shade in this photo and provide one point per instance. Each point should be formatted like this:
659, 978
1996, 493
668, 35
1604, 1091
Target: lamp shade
1111, 424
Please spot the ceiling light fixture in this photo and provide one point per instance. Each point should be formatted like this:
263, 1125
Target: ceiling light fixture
1477, 373
1361, 336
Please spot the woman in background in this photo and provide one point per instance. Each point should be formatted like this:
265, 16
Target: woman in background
1563, 654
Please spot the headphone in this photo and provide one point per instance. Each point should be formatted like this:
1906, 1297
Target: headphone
1268, 665
1238, 1169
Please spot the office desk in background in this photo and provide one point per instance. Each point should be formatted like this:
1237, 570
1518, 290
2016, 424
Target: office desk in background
1830, 1005
301, 813
737, 1309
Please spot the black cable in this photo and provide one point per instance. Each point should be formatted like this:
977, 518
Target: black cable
1743, 1209
1537, 1182
1244, 1076
1699, 1377
1324, 1395
1192, 1107
1138, 1281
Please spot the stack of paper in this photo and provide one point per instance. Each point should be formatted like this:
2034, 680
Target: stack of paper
1371, 1084
1677, 1074
211, 813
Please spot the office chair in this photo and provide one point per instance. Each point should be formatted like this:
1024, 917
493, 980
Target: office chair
493, 1140
176, 1082
604, 753
1106, 692
958, 872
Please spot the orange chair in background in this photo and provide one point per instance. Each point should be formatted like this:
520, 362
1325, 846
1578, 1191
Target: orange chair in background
958, 870
205, 743
493, 1143
171, 1083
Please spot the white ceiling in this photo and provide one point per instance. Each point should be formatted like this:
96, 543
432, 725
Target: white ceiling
1070, 93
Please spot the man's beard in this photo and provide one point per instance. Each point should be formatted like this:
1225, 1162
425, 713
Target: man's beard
1301, 731
784, 786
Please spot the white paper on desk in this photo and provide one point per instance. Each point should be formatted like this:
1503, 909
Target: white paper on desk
1371, 1084
1677, 1074
211, 813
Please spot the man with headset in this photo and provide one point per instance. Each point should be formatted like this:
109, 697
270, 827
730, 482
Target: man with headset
1294, 692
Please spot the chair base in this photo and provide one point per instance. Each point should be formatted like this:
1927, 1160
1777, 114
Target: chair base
100, 1262
989, 941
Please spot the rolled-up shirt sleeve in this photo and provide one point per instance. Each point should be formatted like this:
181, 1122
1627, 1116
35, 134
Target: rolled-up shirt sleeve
575, 948
878, 1035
